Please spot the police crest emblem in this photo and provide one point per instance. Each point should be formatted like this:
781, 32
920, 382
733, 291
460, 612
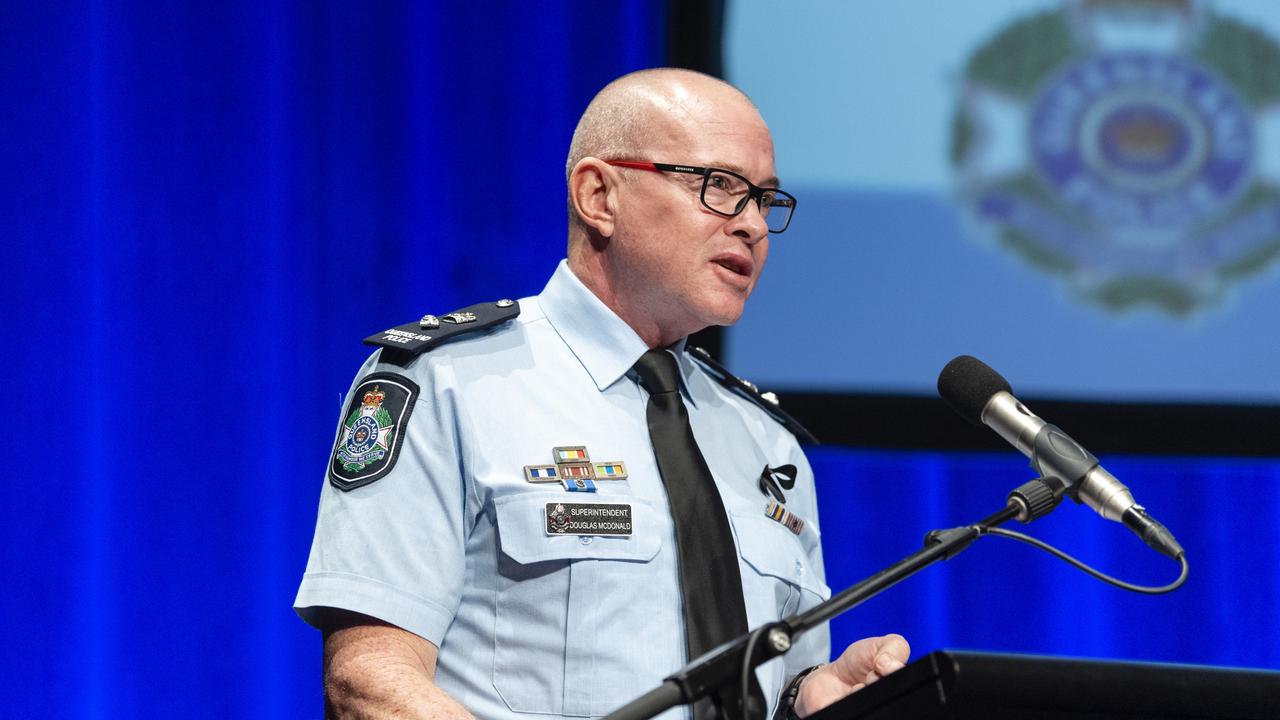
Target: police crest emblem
557, 519
1116, 143
369, 439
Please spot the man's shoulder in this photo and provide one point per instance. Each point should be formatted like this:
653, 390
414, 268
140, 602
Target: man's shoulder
447, 333
746, 391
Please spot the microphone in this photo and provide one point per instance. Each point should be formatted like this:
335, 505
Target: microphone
981, 396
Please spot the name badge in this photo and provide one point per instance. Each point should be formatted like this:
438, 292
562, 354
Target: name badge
588, 518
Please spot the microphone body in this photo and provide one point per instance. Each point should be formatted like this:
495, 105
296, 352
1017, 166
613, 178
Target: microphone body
1054, 454
979, 394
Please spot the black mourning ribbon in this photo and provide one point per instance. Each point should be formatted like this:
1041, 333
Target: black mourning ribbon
714, 609
773, 477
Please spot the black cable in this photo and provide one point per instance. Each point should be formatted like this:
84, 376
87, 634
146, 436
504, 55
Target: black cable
1147, 590
746, 670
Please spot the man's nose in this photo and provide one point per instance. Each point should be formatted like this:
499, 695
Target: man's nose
750, 224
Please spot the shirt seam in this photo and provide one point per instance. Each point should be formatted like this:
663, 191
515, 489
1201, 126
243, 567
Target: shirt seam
471, 496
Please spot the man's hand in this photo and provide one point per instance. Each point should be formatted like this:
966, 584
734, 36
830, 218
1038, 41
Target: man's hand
861, 664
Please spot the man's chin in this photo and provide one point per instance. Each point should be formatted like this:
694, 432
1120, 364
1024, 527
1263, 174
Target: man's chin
722, 313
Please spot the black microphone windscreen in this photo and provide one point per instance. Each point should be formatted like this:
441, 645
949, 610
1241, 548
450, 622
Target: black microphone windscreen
967, 383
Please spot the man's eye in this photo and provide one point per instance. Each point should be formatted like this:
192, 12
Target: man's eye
719, 182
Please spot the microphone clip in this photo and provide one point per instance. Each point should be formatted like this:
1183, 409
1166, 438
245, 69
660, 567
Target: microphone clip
1059, 458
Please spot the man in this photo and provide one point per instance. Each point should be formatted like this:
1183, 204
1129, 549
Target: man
450, 580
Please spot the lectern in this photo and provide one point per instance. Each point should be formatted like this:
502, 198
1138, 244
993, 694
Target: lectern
956, 685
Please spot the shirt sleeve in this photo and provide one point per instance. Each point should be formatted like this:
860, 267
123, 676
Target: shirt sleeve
393, 549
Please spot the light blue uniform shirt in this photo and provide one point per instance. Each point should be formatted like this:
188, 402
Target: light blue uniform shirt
452, 544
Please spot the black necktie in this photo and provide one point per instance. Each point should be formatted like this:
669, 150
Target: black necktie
714, 611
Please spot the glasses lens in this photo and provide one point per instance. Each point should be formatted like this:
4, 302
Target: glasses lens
728, 193
776, 206
724, 192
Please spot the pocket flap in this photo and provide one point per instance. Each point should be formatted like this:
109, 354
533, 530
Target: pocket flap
522, 531
774, 550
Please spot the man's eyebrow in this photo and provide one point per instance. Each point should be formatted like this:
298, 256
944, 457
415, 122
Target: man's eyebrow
770, 182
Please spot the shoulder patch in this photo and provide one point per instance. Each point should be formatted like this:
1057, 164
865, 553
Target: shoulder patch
766, 400
372, 431
415, 338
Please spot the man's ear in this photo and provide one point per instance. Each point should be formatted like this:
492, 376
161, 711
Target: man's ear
593, 192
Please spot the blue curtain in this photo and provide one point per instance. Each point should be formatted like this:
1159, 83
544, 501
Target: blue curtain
1006, 596
205, 208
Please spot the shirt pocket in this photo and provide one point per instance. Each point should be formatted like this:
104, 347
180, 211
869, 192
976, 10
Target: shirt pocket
780, 564
566, 603
777, 580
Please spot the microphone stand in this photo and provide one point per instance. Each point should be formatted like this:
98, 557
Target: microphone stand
719, 670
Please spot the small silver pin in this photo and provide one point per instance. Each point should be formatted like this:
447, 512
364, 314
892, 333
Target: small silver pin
429, 322
458, 318
505, 303
769, 397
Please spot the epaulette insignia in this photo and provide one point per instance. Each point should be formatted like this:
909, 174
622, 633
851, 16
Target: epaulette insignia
766, 400
412, 339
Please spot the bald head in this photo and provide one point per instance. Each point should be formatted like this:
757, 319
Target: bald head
646, 110
643, 239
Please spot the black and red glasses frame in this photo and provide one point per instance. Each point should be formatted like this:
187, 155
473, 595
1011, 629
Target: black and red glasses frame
730, 192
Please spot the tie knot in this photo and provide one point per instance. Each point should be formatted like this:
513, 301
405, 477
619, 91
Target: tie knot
658, 371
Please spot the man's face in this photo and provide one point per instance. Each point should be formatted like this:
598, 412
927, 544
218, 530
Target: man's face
679, 264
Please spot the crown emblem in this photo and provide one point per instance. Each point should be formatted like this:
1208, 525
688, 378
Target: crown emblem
374, 397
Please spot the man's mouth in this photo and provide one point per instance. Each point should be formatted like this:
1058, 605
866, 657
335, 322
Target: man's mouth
735, 264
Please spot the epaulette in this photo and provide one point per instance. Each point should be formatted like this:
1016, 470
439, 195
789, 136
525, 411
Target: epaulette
405, 342
766, 400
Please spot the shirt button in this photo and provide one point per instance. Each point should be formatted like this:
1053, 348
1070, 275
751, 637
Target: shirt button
799, 568
584, 540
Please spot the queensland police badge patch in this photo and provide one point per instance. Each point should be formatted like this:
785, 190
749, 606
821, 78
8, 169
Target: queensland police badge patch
370, 437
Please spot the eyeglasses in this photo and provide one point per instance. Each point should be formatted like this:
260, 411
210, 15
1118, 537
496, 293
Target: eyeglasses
727, 193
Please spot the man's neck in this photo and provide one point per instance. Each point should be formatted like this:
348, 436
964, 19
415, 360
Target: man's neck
589, 267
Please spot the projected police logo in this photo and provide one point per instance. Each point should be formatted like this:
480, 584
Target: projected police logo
1117, 143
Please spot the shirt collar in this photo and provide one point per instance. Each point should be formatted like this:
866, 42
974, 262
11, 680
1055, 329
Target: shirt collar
606, 346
